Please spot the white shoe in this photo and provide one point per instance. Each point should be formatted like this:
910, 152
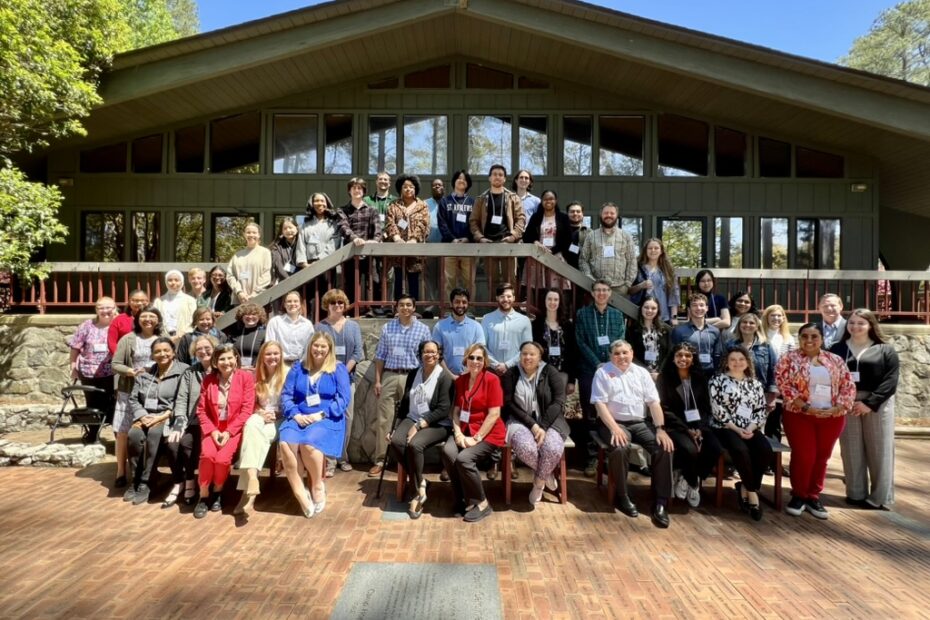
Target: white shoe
320, 503
311, 509
551, 484
694, 496
681, 487
536, 494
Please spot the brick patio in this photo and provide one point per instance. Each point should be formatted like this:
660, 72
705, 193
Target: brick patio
71, 548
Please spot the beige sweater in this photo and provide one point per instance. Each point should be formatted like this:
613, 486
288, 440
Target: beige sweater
249, 271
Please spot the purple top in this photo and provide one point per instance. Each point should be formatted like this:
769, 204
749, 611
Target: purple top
93, 353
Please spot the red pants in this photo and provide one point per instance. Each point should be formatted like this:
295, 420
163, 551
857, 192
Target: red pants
812, 440
215, 462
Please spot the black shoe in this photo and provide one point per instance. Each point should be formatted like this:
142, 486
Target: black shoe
120, 482
201, 510
743, 502
444, 476
858, 503
129, 495
217, 504
142, 494
660, 516
815, 507
476, 514
627, 507
796, 506
493, 472
755, 511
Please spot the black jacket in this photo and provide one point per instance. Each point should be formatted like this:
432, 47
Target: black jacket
440, 406
568, 361
550, 395
672, 397
563, 231
634, 335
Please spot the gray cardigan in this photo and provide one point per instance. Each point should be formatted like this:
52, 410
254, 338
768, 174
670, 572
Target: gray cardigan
185, 403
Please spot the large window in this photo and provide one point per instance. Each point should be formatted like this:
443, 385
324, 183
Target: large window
103, 236
818, 244
683, 146
729, 152
144, 236
534, 144
337, 157
634, 227
188, 237
728, 242
147, 154
774, 158
774, 242
382, 144
425, 145
235, 143
433, 77
479, 76
490, 141
189, 148
110, 158
684, 241
578, 148
295, 144
818, 165
621, 145
228, 235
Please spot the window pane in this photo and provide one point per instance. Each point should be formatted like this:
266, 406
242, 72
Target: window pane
682, 146
110, 158
729, 152
818, 165
621, 145
530, 83
425, 139
633, 226
684, 241
337, 158
144, 236
234, 143
477, 76
387, 83
146, 154
228, 233
103, 237
295, 144
774, 158
728, 242
774, 237
188, 233
189, 144
434, 77
829, 243
489, 142
534, 144
578, 151
806, 236
382, 144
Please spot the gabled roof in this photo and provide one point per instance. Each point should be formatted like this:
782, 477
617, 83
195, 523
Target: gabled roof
674, 68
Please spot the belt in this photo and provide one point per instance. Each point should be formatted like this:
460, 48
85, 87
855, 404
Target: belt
404, 370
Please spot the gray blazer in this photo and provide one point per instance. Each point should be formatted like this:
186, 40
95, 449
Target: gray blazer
163, 392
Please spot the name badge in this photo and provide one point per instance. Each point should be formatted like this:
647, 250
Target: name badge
651, 356
246, 362
402, 224
245, 274
313, 399
603, 340
497, 219
548, 242
224, 414
555, 351
608, 251
692, 415
855, 376
573, 248
464, 416
744, 411
461, 218
101, 347
422, 408
399, 351
340, 350
458, 351
151, 404
822, 391
289, 267
704, 358
381, 217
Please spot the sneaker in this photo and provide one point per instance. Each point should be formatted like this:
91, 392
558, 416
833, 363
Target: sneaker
142, 494
129, 495
536, 494
681, 488
796, 506
345, 466
591, 469
694, 496
815, 507
551, 484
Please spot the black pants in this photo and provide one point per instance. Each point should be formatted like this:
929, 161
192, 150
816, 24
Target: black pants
462, 466
643, 435
749, 456
695, 463
144, 448
773, 423
103, 401
411, 454
185, 455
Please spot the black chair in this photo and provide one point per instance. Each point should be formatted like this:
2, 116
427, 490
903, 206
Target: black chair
84, 416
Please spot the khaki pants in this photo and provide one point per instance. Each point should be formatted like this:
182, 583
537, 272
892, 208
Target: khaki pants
459, 269
392, 390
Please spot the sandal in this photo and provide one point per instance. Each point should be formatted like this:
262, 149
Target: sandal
172, 498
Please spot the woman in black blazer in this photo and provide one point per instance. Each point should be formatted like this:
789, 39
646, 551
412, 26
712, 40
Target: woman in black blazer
424, 415
550, 229
685, 400
649, 337
534, 393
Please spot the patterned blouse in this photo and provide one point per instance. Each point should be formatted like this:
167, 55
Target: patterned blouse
792, 374
93, 353
408, 223
736, 402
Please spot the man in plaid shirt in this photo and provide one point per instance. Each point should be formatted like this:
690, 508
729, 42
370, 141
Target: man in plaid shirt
608, 252
358, 224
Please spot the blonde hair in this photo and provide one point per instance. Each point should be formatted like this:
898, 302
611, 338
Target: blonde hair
196, 270
329, 364
760, 326
268, 387
783, 329
477, 347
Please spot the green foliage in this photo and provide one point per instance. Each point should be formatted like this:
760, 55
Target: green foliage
184, 17
28, 222
897, 45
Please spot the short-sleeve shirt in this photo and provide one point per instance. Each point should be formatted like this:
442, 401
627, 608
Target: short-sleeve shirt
626, 393
485, 394
93, 353
398, 345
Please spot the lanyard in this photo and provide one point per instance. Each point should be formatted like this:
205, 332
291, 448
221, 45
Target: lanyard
713, 303
492, 205
467, 399
155, 381
597, 325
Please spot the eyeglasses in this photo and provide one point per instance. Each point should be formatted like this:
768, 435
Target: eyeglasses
337, 303
475, 358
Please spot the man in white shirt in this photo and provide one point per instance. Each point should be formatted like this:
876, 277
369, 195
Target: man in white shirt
621, 393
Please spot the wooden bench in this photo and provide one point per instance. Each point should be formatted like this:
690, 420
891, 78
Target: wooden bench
778, 449
563, 473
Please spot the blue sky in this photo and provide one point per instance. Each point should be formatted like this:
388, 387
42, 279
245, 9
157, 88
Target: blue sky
821, 29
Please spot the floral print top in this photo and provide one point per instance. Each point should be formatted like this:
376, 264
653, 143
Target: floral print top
408, 223
739, 402
792, 374
93, 353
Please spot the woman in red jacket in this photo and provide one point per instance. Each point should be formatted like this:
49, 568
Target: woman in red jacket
227, 399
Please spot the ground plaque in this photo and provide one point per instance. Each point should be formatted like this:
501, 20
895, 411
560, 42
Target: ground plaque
419, 591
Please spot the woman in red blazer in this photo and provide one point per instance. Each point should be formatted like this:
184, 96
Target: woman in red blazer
227, 399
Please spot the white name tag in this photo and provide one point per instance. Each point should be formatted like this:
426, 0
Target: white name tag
608, 251
289, 267
399, 351
402, 224
855, 376
246, 362
743, 411
340, 350
692, 415
464, 416
245, 274
458, 351
651, 356
422, 408
497, 219
704, 358
461, 218
313, 399
555, 351
603, 340
573, 248
548, 242
224, 414
822, 391
101, 347
151, 404
381, 217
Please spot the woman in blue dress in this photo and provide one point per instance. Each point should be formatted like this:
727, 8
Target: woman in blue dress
314, 400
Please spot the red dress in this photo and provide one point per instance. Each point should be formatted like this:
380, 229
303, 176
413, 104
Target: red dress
485, 394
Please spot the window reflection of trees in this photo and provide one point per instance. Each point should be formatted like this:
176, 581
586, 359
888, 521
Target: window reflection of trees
188, 237
489, 142
228, 231
425, 145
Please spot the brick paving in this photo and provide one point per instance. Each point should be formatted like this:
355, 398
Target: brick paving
70, 548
